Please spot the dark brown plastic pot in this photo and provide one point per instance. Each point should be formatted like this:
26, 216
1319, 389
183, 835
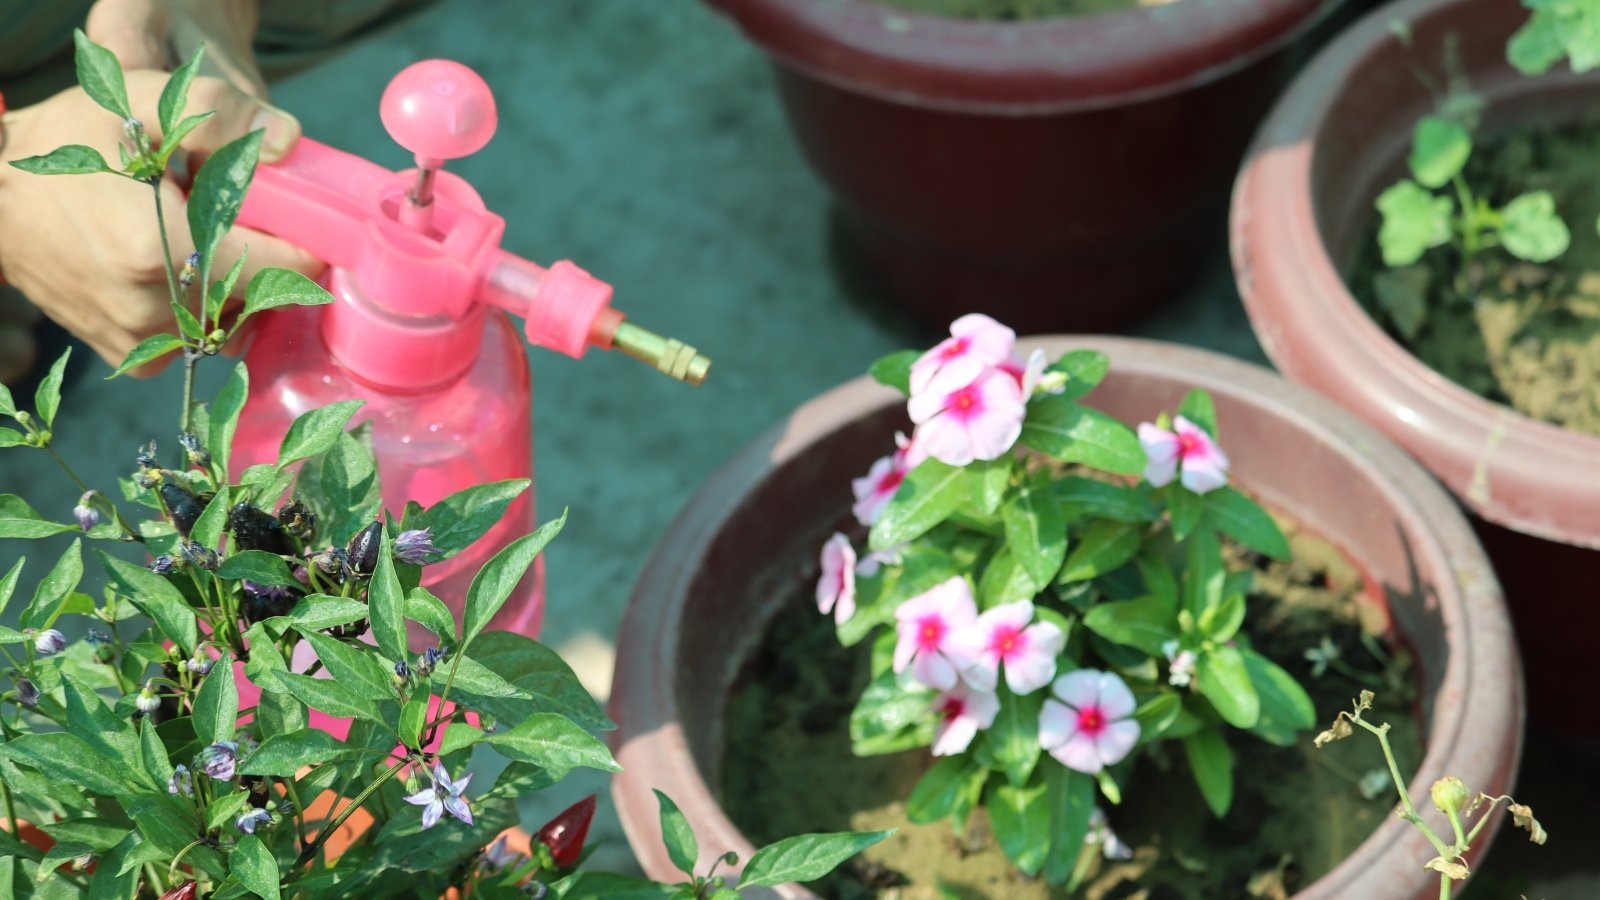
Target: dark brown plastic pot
712, 584
1304, 200
1057, 174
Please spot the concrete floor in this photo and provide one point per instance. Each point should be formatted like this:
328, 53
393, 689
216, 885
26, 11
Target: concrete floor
641, 139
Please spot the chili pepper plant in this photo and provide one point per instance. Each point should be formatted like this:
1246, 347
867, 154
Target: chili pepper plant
1045, 596
130, 748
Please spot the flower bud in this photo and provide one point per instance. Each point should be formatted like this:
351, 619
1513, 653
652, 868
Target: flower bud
27, 693
193, 450
148, 701
298, 520
87, 516
200, 664
49, 642
181, 781
199, 556
364, 547
164, 565
191, 269
1449, 795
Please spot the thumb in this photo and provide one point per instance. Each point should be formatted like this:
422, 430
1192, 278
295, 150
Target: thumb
235, 114
134, 30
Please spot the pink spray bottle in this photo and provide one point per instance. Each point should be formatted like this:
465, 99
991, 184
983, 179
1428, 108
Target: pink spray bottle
418, 327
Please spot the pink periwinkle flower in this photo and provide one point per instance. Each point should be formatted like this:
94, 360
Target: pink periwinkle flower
874, 490
978, 420
962, 712
927, 625
1180, 664
1111, 846
976, 343
1205, 466
836, 589
444, 795
877, 559
1003, 634
1092, 725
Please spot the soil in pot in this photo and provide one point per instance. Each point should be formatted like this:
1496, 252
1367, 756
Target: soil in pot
1297, 811
1019, 10
1523, 334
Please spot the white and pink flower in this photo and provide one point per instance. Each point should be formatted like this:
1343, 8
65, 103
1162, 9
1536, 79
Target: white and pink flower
836, 589
1029, 373
978, 420
927, 625
1092, 726
962, 712
976, 343
1205, 466
1003, 634
875, 490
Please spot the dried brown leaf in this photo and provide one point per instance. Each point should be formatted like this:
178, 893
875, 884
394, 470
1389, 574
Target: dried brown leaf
1448, 868
1522, 817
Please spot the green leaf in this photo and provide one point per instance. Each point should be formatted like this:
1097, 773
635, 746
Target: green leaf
315, 612
1013, 740
175, 94
283, 755
386, 603
148, 349
252, 863
678, 836
430, 612
260, 567
929, 494
1402, 295
348, 476
222, 289
1221, 622
100, 75
1071, 801
1156, 715
8, 584
66, 757
1240, 518
1211, 762
208, 528
1439, 151
1104, 547
272, 288
316, 431
226, 808
552, 742
1103, 499
1072, 433
540, 673
1004, 581
1531, 230
463, 517
359, 670
1085, 369
889, 718
50, 595
413, 715
328, 696
1036, 532
805, 857
1539, 44
10, 437
1205, 575
111, 736
1285, 707
894, 370
493, 584
459, 736
172, 140
224, 416
156, 598
1198, 407
19, 520
944, 788
1021, 821
989, 481
218, 193
1145, 623
1221, 676
1185, 508
1414, 221
73, 159
216, 706
608, 886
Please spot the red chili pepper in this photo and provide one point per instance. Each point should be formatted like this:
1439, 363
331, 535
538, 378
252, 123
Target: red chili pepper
564, 834
183, 891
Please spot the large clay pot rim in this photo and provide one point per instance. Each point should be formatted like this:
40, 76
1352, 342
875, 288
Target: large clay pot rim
1048, 66
1445, 424
1452, 552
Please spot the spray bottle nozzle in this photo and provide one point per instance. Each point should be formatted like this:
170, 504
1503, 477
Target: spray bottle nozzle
669, 356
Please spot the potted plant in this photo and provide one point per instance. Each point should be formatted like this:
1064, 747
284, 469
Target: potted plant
1400, 236
174, 751
732, 585
1028, 155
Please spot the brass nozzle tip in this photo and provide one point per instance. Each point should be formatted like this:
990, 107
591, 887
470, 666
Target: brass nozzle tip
669, 356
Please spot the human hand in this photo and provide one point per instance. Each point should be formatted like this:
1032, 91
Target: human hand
161, 34
84, 247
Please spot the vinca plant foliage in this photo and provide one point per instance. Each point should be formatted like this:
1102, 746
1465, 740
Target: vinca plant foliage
136, 750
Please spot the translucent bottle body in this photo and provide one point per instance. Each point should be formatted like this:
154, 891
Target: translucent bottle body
473, 429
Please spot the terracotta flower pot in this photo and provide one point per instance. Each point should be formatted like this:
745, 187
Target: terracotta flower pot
710, 587
1056, 174
1303, 203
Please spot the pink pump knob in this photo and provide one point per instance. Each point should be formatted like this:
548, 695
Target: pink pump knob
439, 110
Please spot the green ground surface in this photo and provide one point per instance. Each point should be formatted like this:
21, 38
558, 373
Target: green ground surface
643, 140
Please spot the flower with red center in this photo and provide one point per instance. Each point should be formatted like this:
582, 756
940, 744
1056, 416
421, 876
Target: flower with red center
979, 420
836, 589
962, 712
1092, 725
925, 626
976, 342
1003, 635
1205, 466
875, 490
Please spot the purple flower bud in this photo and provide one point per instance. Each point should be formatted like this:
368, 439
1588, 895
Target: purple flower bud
132, 127
402, 670
181, 781
87, 516
191, 268
194, 450
147, 456
250, 820
432, 656
200, 665
218, 760
27, 693
333, 561
163, 565
49, 641
415, 546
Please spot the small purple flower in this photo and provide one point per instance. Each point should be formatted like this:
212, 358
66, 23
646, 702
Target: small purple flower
87, 516
27, 693
218, 760
265, 593
445, 795
181, 782
432, 656
402, 670
252, 819
147, 456
333, 561
97, 638
415, 546
163, 565
200, 665
193, 450
49, 641
191, 268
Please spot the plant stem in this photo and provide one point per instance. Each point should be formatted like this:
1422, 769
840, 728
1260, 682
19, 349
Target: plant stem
11, 807
84, 488
191, 355
310, 852
1410, 814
